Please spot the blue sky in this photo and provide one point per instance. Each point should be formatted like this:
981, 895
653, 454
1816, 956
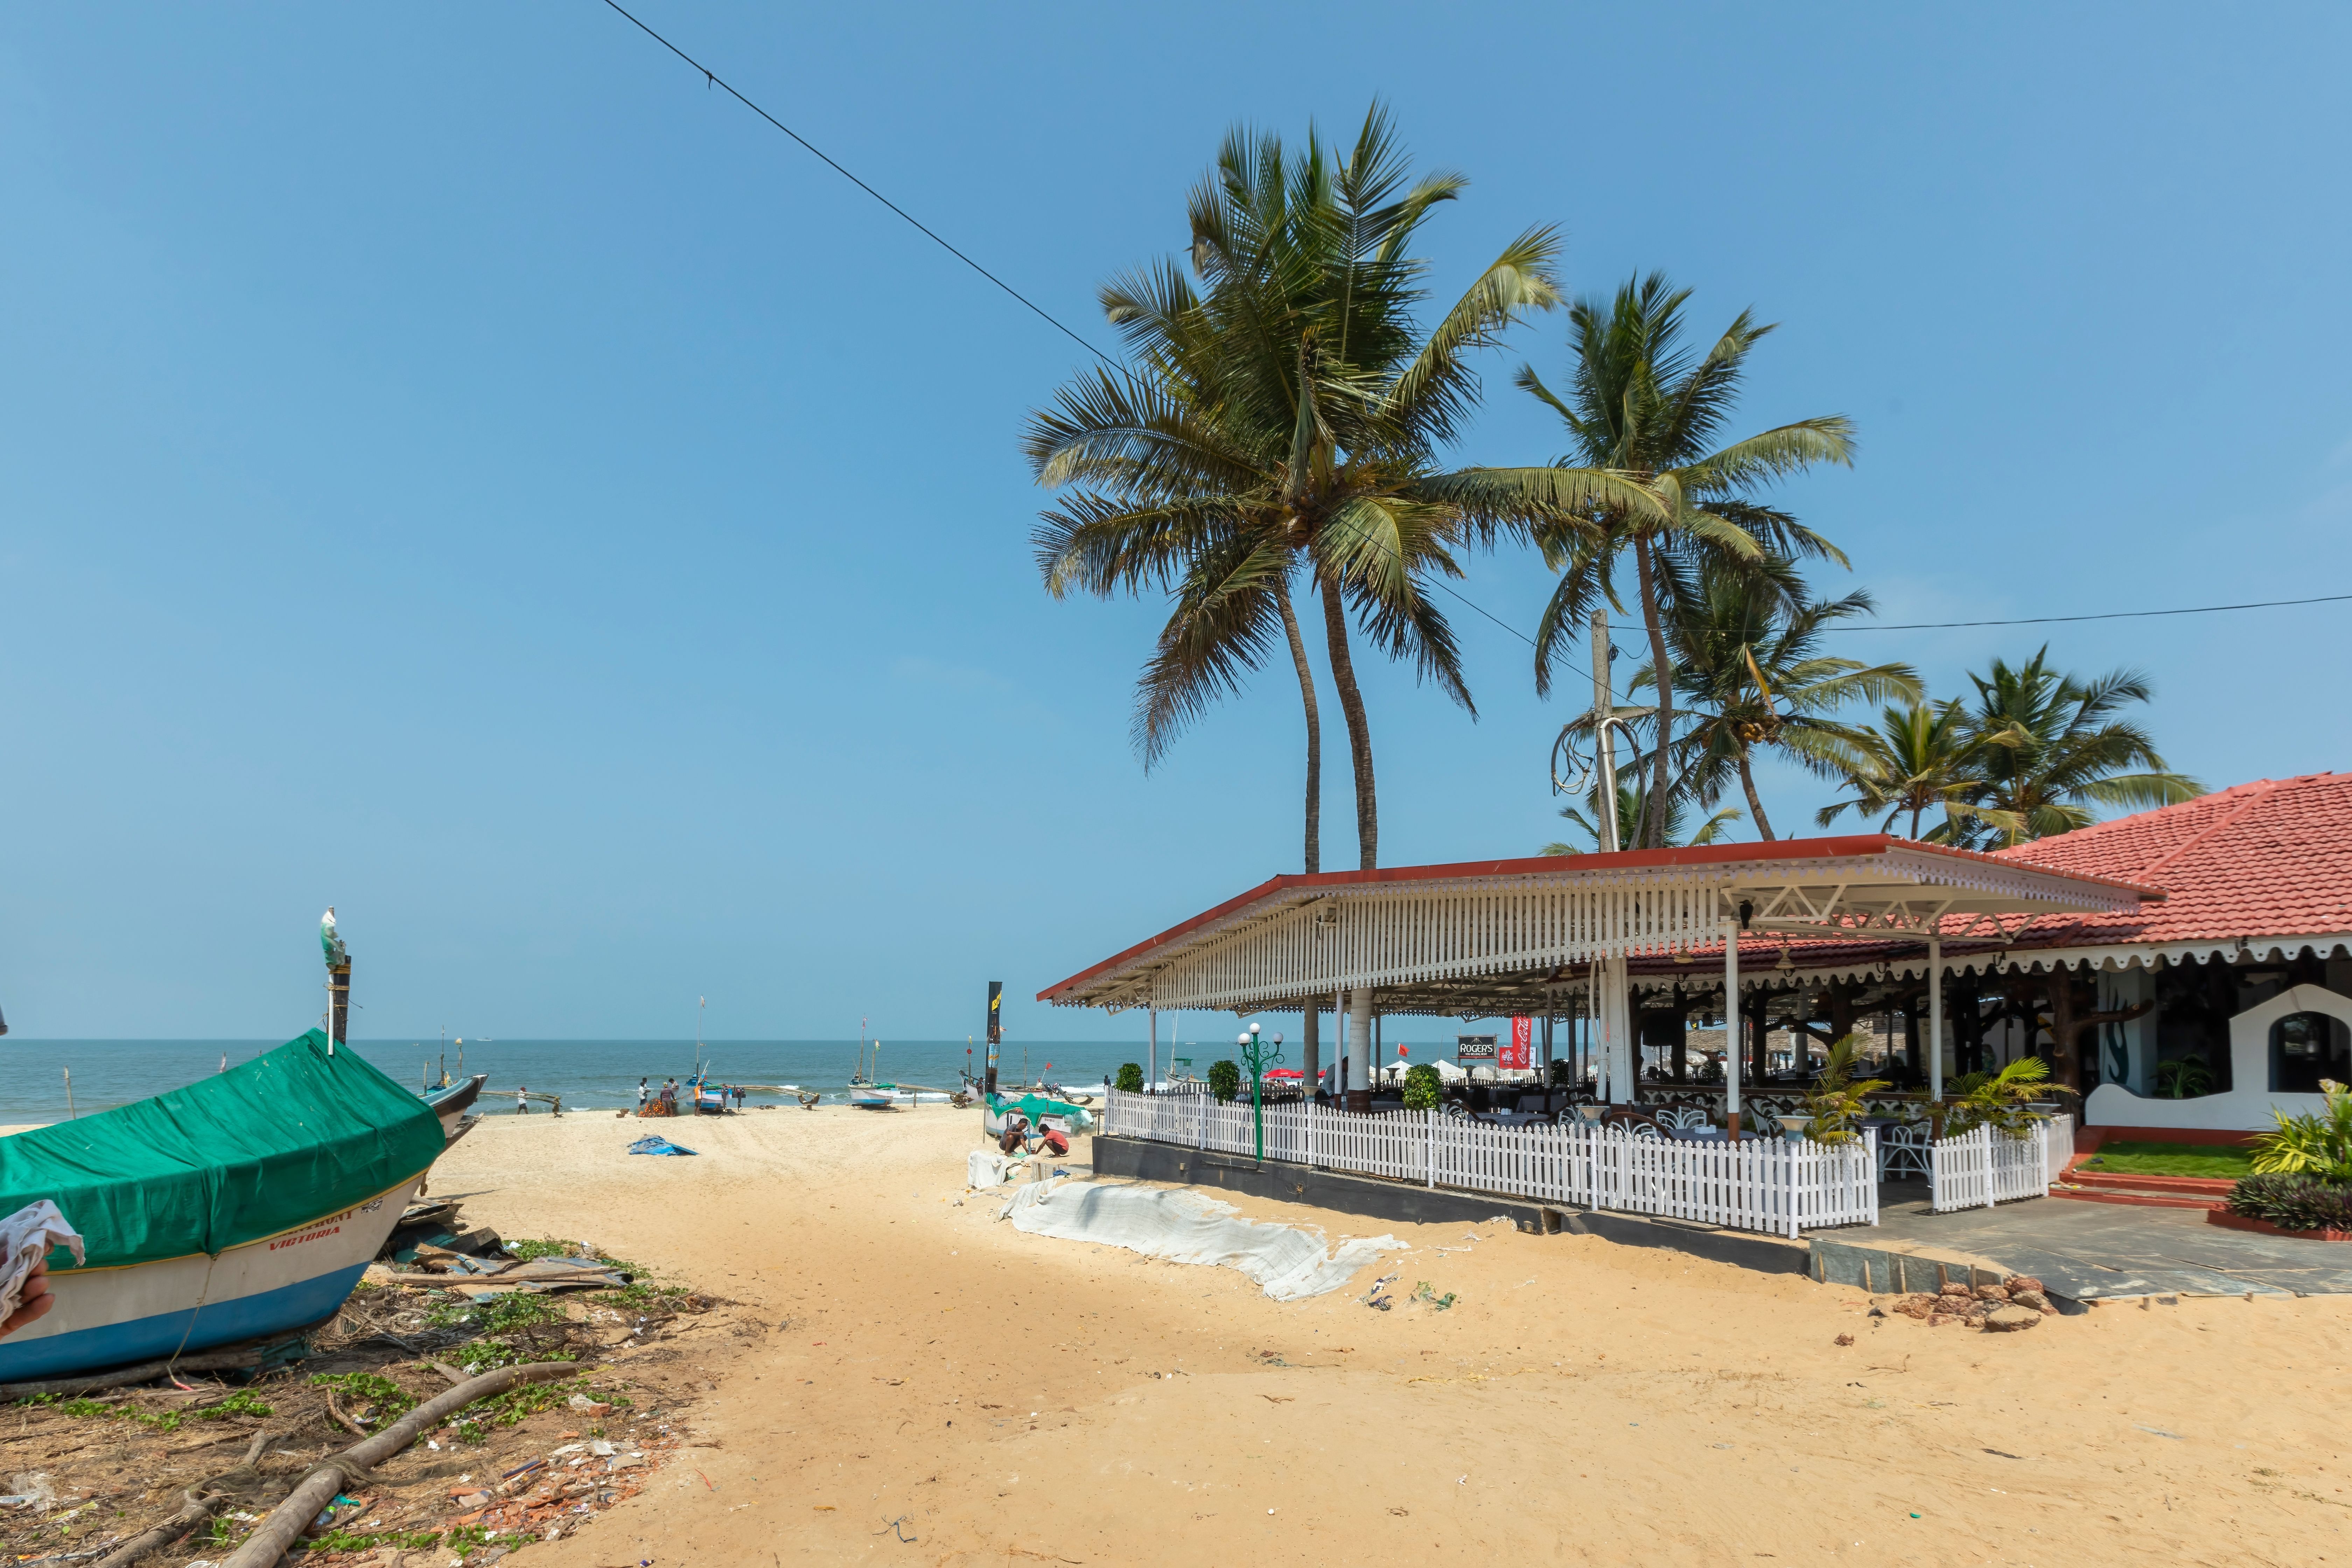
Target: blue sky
455, 465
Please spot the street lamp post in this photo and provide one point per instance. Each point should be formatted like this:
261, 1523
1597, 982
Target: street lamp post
1254, 1051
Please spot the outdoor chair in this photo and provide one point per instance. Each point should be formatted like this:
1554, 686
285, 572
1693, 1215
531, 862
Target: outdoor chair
1681, 1118
1903, 1151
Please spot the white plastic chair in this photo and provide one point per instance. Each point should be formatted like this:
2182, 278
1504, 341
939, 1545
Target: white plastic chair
1681, 1118
1903, 1151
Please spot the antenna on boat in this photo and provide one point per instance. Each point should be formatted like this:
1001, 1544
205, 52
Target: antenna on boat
700, 1003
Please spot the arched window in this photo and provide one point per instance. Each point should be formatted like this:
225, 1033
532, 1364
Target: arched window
2306, 1047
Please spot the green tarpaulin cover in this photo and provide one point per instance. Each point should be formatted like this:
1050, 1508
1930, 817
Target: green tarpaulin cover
1037, 1107
290, 1136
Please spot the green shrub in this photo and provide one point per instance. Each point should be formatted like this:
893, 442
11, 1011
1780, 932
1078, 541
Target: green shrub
2187, 1079
2293, 1201
2317, 1145
1224, 1081
1422, 1086
1130, 1077
2001, 1098
1836, 1101
1562, 1073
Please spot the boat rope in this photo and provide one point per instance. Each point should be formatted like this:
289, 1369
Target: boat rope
202, 1291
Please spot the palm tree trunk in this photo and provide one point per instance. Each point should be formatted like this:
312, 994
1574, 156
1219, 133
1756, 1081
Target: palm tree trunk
1314, 729
1359, 736
1661, 766
1755, 801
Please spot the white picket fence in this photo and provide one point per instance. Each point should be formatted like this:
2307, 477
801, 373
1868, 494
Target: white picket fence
1983, 1167
1756, 1184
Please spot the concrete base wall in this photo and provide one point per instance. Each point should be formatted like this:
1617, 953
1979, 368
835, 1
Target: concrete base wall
1402, 1204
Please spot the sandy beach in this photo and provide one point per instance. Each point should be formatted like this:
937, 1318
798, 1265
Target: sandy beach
938, 1388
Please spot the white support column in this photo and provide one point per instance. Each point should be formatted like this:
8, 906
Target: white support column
1338, 1042
1731, 1025
1620, 1066
1152, 1057
1934, 1019
1359, 1048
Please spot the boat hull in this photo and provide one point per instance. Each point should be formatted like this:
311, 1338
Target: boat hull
112, 1317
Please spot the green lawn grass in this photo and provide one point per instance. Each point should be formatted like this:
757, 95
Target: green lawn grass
2223, 1161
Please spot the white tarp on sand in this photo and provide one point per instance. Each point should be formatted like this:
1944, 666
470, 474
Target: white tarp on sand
1287, 1263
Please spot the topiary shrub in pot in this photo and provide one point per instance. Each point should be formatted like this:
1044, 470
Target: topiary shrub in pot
1422, 1086
1130, 1077
1224, 1081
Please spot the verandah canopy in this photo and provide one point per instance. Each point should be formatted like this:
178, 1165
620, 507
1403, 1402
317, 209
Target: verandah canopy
1485, 938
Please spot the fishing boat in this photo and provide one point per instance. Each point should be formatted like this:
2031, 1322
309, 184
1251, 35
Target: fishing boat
244, 1204
709, 1098
874, 1096
1042, 1110
451, 1102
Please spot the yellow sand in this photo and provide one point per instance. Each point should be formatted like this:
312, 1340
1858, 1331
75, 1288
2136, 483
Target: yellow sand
1009, 1398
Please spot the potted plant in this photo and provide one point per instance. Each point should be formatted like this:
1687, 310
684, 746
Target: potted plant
1836, 1102
1130, 1077
2002, 1099
1422, 1086
1226, 1082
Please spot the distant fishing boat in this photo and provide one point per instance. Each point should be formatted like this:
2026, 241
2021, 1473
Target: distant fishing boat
244, 1204
451, 1103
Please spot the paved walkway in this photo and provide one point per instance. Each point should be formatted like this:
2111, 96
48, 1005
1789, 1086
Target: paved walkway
2087, 1250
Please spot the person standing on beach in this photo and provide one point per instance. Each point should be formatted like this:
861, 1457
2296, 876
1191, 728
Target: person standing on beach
739, 1097
641, 1097
522, 1104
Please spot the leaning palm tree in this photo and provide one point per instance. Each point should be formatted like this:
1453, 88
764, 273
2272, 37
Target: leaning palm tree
1281, 423
1640, 408
1751, 676
1632, 811
2054, 753
1922, 757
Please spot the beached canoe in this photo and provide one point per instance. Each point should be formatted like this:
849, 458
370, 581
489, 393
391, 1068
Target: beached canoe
451, 1104
246, 1203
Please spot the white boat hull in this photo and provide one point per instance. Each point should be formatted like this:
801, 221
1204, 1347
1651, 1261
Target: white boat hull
112, 1317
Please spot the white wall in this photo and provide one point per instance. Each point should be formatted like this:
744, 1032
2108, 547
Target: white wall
2249, 1105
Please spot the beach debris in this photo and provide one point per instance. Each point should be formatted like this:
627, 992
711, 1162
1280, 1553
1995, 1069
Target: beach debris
1429, 1298
26, 1237
655, 1144
2004, 1320
1845, 1339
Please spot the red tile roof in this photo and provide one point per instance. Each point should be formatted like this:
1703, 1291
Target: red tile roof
2268, 858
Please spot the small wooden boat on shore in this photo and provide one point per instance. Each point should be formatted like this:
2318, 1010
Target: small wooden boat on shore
452, 1101
244, 1204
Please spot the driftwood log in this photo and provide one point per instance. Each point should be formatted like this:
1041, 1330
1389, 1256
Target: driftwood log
273, 1534
195, 1510
217, 1361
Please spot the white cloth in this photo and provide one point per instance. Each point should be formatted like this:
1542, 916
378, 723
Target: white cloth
1287, 1263
984, 1168
26, 1237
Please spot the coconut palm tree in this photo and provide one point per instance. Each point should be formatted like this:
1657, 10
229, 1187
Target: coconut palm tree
1750, 675
2052, 752
1640, 408
1280, 426
1922, 757
1634, 811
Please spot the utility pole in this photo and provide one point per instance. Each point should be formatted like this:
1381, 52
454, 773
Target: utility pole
1610, 1016
1604, 751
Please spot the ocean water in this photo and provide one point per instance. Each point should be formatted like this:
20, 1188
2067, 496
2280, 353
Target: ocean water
588, 1074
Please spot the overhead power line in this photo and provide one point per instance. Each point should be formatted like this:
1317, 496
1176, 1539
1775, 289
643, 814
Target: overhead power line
716, 80
2108, 615
713, 79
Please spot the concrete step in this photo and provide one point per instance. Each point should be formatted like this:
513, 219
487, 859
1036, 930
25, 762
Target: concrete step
2126, 1181
2133, 1197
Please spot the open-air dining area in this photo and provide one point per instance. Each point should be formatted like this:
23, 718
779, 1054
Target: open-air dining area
1605, 955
